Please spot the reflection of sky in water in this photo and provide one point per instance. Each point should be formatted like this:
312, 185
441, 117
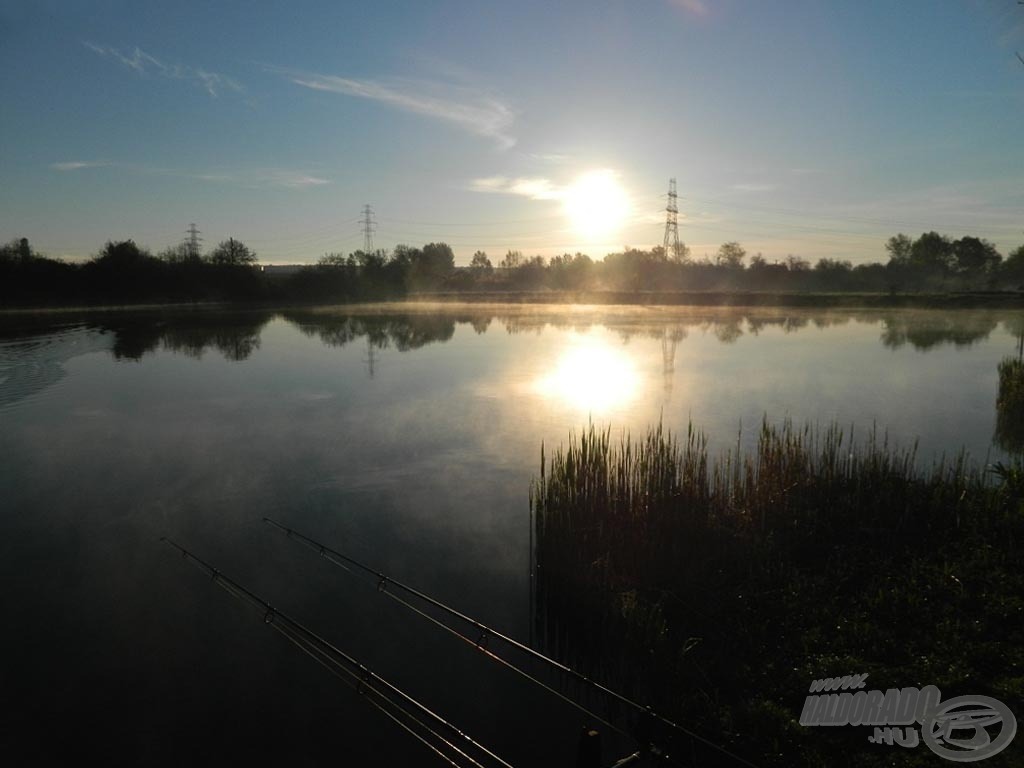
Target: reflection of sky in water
198, 430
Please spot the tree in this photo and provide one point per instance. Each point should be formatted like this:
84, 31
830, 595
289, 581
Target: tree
333, 260
175, 254
680, 253
124, 253
975, 256
833, 266
932, 251
731, 255
796, 264
758, 261
439, 260
899, 247
232, 252
480, 264
833, 273
1013, 267
17, 249
512, 260
430, 266
373, 261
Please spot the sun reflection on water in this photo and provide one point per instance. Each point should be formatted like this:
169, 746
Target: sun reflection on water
592, 376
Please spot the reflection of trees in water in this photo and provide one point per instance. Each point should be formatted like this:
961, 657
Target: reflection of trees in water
924, 331
401, 331
726, 326
235, 335
729, 330
787, 323
1014, 325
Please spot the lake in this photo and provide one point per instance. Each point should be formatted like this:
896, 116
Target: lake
405, 436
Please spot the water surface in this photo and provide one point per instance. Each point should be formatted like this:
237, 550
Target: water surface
404, 436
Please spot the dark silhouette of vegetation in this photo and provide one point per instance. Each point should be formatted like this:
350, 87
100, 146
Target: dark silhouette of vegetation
717, 588
30, 279
926, 330
1010, 401
232, 252
922, 330
235, 335
480, 265
401, 331
1010, 406
122, 272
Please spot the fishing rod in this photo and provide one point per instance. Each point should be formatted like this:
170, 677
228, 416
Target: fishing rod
384, 696
384, 583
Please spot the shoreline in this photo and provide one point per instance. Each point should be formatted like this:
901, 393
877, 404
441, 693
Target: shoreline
707, 299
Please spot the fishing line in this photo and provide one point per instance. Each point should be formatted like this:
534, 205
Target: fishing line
353, 683
383, 581
366, 677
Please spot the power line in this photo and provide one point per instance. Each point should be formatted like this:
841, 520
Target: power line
192, 243
671, 221
369, 227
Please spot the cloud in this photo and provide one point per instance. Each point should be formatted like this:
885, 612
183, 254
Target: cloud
75, 165
254, 178
696, 7
535, 189
755, 187
550, 157
470, 108
143, 63
293, 180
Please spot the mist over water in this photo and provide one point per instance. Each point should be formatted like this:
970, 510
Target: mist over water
406, 437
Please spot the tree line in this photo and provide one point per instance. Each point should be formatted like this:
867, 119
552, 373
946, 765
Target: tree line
123, 272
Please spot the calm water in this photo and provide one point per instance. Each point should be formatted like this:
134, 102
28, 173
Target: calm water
406, 438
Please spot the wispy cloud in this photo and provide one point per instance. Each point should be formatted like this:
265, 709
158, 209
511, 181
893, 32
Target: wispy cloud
253, 178
753, 186
293, 179
143, 63
696, 7
554, 158
535, 189
470, 108
75, 165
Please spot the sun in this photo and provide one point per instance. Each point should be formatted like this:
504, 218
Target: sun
596, 205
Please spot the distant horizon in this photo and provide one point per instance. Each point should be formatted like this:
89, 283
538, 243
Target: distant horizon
710, 255
793, 129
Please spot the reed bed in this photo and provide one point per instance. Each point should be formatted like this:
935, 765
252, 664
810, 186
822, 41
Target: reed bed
717, 587
1010, 405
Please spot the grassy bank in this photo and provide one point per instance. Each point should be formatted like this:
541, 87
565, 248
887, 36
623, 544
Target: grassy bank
717, 588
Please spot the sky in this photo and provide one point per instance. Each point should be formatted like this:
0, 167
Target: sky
812, 128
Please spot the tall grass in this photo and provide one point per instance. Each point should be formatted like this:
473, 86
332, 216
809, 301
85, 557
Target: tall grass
1010, 405
717, 587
